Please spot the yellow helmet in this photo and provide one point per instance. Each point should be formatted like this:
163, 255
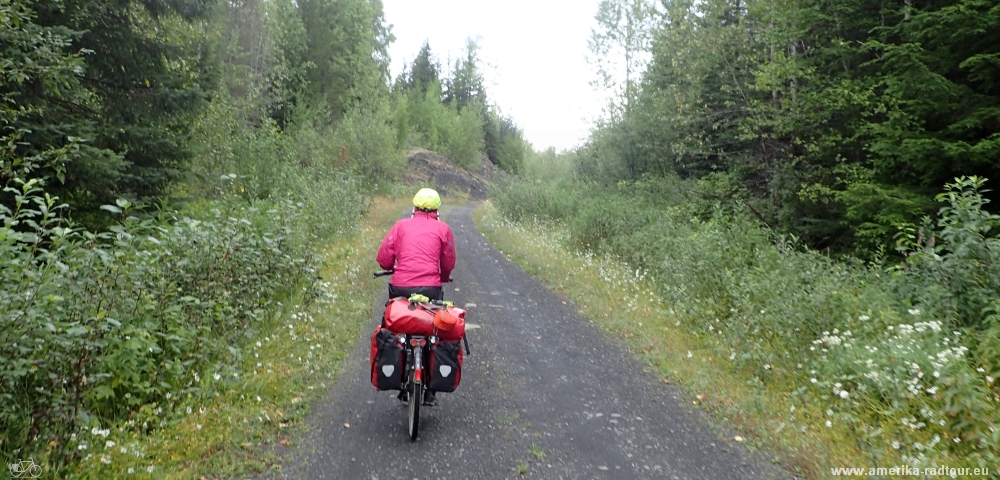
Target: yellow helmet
427, 199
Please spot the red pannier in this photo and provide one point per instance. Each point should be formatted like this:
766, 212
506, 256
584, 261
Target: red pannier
403, 316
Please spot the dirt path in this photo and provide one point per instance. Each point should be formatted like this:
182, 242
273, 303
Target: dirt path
544, 395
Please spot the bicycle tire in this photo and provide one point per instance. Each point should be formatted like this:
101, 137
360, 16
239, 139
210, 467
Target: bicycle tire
416, 398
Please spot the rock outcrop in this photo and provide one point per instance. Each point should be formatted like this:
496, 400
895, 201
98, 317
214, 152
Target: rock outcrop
427, 168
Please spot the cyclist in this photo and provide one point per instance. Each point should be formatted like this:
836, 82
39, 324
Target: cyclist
421, 251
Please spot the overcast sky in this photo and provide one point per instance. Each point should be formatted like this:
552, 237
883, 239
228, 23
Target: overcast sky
533, 54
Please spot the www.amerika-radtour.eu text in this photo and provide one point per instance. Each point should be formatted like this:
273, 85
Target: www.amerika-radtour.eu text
906, 470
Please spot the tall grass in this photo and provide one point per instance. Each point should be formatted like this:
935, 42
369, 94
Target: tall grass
875, 349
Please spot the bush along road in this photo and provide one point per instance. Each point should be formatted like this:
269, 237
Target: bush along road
544, 394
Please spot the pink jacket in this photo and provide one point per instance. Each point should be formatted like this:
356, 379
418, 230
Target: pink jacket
421, 249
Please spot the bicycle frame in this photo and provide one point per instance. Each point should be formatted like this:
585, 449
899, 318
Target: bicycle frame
414, 345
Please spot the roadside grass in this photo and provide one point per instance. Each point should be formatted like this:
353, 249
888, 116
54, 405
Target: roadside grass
287, 366
537, 452
623, 301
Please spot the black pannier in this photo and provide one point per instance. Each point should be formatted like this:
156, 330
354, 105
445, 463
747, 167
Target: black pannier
387, 360
446, 366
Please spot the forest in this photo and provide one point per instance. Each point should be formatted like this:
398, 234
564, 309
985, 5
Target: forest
806, 182
171, 170
808, 185
837, 121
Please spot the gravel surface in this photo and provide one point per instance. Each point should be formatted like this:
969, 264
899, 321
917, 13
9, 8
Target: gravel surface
544, 394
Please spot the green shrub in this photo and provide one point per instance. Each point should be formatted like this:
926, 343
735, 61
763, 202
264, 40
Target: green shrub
130, 323
523, 200
366, 137
421, 120
462, 137
907, 358
547, 165
606, 221
310, 162
952, 266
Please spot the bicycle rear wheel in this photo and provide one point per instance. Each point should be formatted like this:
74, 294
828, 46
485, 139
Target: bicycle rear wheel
416, 398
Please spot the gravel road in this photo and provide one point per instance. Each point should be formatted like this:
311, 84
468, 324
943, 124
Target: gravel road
544, 395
